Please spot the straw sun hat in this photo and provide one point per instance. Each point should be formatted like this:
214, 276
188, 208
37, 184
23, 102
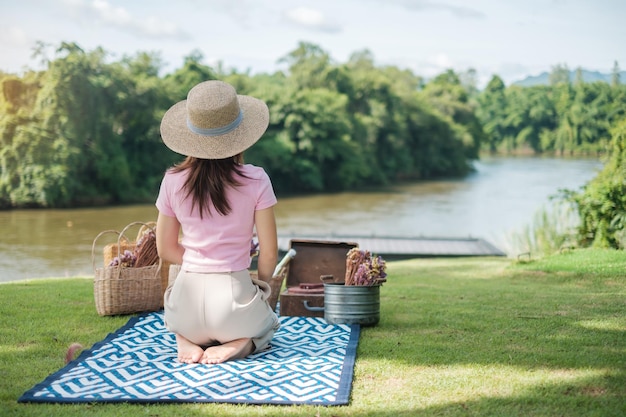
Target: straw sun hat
214, 122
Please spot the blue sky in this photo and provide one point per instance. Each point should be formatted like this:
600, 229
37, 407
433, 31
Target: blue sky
511, 38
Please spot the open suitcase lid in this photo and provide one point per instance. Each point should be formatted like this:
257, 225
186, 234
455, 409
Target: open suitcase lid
315, 258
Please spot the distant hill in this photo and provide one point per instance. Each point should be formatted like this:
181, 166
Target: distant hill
588, 77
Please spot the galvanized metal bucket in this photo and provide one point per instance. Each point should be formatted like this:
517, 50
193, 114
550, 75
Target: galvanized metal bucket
351, 304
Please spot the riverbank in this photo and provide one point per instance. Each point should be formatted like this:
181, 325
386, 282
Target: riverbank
457, 337
500, 198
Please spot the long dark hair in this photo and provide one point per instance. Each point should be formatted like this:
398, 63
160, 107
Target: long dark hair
208, 180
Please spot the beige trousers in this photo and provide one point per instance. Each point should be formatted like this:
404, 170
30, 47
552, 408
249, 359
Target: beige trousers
216, 308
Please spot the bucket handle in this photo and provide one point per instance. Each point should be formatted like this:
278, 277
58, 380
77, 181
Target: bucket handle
312, 308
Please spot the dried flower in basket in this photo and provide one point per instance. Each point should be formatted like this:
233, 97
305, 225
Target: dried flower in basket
144, 253
126, 259
364, 269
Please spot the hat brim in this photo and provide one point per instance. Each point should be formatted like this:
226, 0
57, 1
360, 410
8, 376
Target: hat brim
177, 136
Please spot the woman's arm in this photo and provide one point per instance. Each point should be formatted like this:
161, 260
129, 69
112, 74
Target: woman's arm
167, 231
268, 242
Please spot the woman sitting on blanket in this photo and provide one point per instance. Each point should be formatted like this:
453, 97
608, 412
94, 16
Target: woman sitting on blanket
215, 309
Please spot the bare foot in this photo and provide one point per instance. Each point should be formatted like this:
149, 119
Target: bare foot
188, 352
236, 349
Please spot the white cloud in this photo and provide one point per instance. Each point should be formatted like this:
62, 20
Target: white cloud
426, 5
14, 36
442, 61
157, 28
115, 15
431, 66
311, 19
102, 11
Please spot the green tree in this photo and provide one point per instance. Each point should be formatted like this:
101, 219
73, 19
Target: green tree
615, 75
602, 203
448, 96
309, 66
193, 71
542, 120
559, 75
52, 147
469, 80
492, 113
578, 77
141, 101
86, 130
318, 126
85, 134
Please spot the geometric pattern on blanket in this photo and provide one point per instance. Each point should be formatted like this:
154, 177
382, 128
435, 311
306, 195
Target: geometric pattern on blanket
309, 362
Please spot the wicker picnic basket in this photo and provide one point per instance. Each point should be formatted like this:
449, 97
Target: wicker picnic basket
120, 289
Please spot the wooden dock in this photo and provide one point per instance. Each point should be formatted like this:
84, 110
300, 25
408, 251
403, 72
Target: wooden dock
406, 247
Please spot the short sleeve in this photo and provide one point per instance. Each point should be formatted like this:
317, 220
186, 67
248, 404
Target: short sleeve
163, 202
266, 197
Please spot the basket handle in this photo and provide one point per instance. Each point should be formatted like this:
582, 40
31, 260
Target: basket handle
93, 245
149, 226
121, 235
144, 228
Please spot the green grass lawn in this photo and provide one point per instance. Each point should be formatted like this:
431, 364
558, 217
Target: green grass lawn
457, 337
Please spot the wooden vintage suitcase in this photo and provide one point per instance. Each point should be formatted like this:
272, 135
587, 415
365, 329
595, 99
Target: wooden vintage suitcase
304, 293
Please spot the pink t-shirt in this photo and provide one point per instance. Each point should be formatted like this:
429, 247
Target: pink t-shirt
217, 243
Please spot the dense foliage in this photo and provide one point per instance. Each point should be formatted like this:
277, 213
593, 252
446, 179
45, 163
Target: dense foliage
82, 132
602, 203
562, 118
86, 130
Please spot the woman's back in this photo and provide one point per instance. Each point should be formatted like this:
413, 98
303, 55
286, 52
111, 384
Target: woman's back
217, 243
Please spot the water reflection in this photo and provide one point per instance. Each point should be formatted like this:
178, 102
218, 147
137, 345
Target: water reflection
500, 197
43, 243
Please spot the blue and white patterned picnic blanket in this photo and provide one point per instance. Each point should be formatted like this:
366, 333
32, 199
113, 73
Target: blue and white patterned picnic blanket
309, 362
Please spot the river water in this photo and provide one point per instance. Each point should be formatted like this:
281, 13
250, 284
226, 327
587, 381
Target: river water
496, 201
